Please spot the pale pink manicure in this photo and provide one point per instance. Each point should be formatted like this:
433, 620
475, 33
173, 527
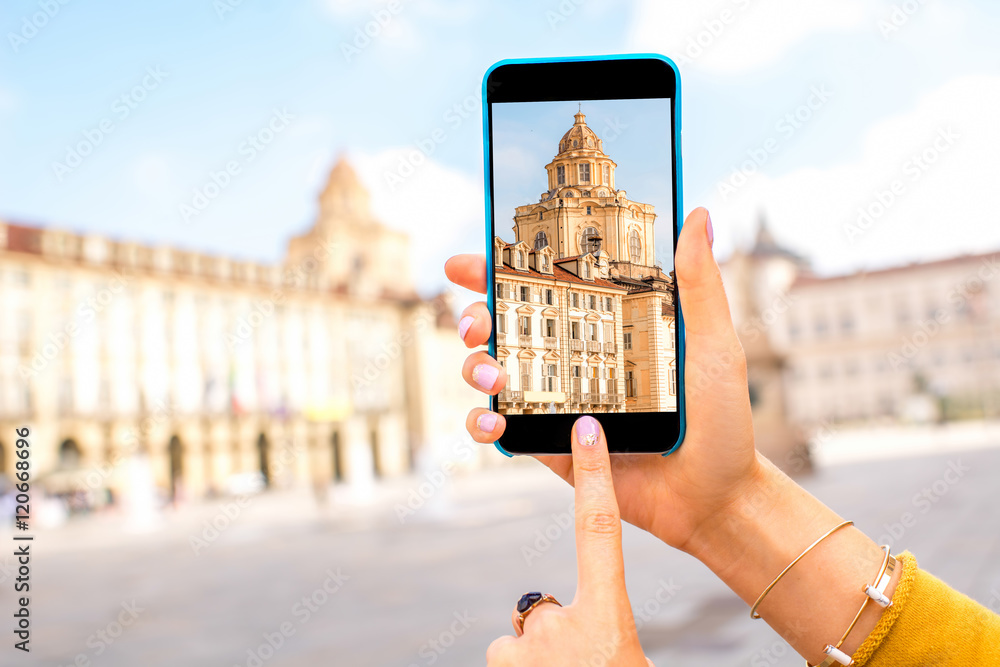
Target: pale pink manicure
587, 430
487, 422
485, 376
464, 324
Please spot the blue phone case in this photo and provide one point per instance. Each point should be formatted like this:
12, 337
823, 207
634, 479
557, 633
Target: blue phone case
678, 197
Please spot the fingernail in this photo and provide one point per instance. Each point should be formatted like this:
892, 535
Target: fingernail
587, 430
464, 324
485, 376
487, 422
710, 231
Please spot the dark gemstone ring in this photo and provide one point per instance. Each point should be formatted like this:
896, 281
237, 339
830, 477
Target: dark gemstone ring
526, 604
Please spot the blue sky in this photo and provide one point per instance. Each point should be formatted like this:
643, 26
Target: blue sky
224, 76
635, 134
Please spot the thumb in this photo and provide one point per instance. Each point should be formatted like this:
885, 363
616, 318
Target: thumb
699, 283
714, 354
600, 566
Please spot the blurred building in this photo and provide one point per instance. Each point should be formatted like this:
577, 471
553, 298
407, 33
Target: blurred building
321, 369
919, 342
585, 317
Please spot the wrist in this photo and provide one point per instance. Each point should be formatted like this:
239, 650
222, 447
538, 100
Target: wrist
763, 528
767, 527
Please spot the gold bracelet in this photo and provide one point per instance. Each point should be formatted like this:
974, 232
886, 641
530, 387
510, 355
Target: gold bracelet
874, 591
753, 609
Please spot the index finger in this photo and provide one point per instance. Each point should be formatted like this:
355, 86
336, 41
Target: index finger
468, 271
600, 566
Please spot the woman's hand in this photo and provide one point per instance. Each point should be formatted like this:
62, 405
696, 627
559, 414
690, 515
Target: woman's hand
678, 496
597, 628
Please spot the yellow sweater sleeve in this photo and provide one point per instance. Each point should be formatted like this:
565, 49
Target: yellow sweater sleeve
931, 625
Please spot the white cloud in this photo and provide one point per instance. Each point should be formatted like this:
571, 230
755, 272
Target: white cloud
946, 200
738, 35
439, 207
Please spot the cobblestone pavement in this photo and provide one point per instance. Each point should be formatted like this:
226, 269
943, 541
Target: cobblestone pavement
288, 584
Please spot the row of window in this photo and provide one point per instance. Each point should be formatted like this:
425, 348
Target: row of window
594, 376
547, 328
583, 172
550, 378
893, 361
547, 296
900, 311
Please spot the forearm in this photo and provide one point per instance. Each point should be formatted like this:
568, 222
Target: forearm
766, 529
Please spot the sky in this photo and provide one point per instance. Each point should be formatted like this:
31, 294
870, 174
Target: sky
634, 133
863, 130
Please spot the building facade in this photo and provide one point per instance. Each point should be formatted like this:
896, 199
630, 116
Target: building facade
213, 369
910, 343
585, 316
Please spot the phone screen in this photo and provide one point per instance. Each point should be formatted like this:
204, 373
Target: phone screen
583, 198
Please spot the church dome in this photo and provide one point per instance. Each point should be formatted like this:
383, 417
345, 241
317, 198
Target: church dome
579, 137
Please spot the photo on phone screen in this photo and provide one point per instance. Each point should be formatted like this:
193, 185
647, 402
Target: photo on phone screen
583, 243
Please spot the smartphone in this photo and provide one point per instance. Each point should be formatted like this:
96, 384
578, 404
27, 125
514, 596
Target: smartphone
583, 209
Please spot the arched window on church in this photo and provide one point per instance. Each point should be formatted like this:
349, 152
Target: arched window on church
634, 246
574, 143
607, 175
541, 240
560, 175
540, 213
590, 242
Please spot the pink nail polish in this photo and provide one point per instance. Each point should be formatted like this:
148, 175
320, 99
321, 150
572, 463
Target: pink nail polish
485, 376
587, 430
464, 324
710, 231
487, 422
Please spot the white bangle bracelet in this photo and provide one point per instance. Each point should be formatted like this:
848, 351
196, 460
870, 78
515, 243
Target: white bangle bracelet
874, 592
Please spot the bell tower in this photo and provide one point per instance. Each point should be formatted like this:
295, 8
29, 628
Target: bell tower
584, 211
